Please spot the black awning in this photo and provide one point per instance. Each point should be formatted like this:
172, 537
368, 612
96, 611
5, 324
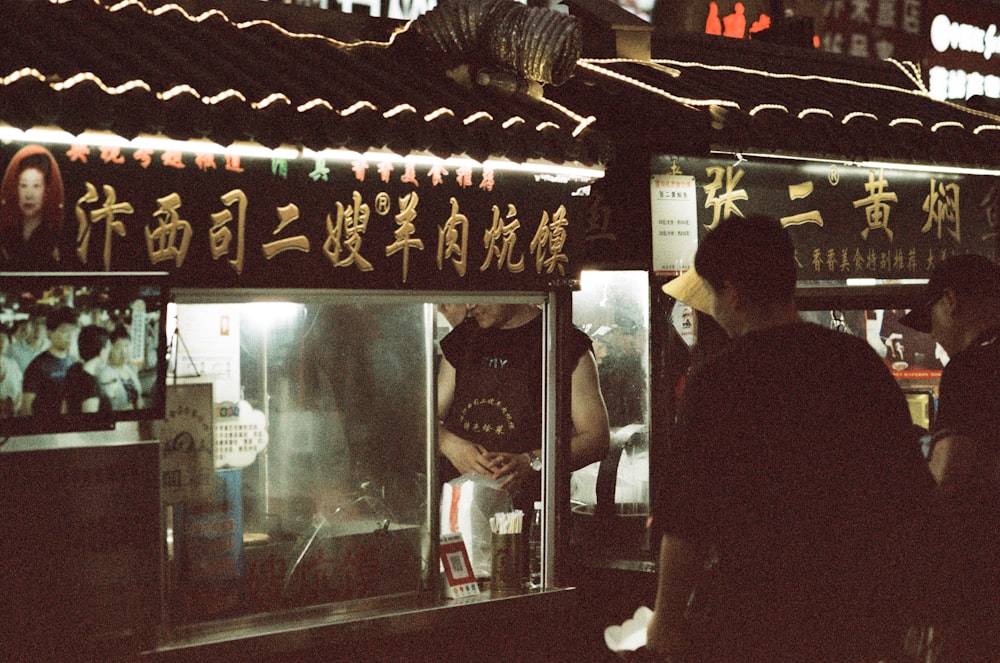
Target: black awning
793, 102
138, 68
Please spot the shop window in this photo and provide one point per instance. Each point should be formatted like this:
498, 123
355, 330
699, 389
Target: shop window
613, 308
314, 489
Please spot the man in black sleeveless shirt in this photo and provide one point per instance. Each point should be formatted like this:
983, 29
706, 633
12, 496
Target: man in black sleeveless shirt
490, 399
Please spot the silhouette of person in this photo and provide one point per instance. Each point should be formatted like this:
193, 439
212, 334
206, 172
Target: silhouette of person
736, 23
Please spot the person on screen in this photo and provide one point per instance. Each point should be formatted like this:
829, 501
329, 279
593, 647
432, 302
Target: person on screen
83, 392
31, 211
29, 339
45, 379
961, 311
11, 380
793, 464
119, 379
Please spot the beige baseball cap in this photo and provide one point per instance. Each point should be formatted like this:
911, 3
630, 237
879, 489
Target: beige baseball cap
691, 289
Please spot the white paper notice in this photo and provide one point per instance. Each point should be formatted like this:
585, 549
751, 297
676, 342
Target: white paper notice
675, 222
187, 461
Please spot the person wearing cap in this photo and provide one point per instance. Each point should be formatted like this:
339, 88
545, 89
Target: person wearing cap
961, 311
793, 463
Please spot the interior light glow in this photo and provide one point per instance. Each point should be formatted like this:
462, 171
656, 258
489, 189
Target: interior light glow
254, 150
428, 160
910, 167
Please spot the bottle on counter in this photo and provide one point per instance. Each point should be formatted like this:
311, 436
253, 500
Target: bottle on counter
535, 549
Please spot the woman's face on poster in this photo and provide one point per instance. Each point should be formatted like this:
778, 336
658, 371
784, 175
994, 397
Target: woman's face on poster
31, 192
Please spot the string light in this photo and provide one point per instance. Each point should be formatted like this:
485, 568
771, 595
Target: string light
763, 107
921, 168
857, 114
686, 101
215, 13
269, 99
946, 123
477, 116
814, 111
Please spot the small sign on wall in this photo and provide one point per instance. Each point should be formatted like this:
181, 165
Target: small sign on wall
188, 461
675, 222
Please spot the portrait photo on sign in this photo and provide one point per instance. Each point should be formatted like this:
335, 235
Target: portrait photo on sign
31, 212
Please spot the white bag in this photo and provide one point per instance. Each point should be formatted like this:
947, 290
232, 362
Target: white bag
467, 504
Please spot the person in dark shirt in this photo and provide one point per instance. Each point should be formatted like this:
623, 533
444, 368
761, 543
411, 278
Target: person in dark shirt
794, 463
83, 392
961, 310
490, 399
45, 378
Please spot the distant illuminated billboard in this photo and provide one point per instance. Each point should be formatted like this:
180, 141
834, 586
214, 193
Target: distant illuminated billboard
962, 49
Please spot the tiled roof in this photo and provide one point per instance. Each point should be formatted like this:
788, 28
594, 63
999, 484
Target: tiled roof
151, 68
767, 99
134, 67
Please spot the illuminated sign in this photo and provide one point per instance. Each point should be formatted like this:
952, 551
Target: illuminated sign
227, 220
734, 21
851, 221
962, 55
873, 29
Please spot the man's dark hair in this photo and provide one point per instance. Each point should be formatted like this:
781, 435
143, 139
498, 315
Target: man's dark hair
63, 315
120, 332
92, 340
755, 255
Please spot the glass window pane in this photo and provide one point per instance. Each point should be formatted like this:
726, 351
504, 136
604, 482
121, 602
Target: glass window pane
613, 308
318, 487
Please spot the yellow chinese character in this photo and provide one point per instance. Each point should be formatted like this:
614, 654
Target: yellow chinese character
876, 204
286, 215
506, 235
348, 232
941, 205
220, 236
549, 242
404, 231
799, 192
723, 206
172, 236
453, 240
107, 213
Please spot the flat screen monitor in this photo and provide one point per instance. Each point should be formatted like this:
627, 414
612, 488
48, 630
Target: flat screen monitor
82, 351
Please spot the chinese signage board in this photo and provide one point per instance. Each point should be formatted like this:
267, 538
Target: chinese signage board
962, 52
851, 221
876, 29
215, 220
